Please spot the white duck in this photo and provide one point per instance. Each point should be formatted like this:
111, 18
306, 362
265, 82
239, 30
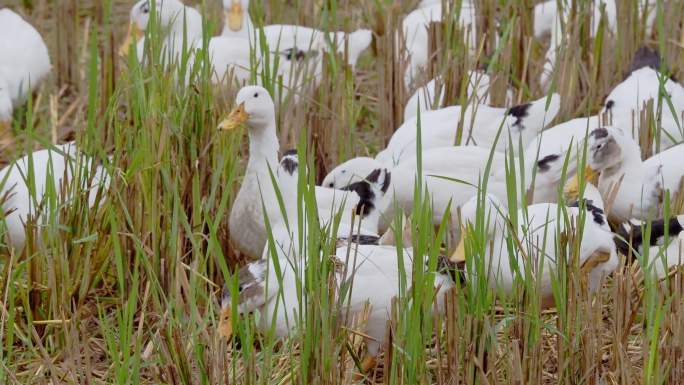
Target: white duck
547, 154
281, 37
480, 127
63, 169
430, 97
24, 63
361, 227
256, 109
181, 27
627, 99
415, 30
449, 174
536, 231
633, 188
665, 249
372, 275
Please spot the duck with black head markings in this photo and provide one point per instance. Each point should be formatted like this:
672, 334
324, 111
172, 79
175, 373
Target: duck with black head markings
631, 187
481, 125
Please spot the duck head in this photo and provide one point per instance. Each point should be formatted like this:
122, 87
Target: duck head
249, 296
607, 147
168, 12
351, 171
255, 108
236, 13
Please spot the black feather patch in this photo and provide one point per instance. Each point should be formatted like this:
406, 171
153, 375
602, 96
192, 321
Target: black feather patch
519, 112
455, 270
290, 152
544, 163
599, 133
375, 175
294, 53
634, 236
366, 197
610, 104
289, 164
645, 57
596, 212
362, 239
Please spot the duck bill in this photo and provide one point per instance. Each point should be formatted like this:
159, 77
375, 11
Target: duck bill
225, 327
459, 255
236, 118
235, 16
590, 175
133, 35
572, 186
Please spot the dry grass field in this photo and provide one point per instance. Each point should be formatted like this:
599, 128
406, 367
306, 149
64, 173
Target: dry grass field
129, 292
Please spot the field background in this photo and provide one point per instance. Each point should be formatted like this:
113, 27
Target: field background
127, 294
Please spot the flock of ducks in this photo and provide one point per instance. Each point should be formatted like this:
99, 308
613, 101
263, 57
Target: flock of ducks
358, 200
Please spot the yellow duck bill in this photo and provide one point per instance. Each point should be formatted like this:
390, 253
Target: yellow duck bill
459, 255
132, 36
225, 327
235, 16
571, 190
236, 118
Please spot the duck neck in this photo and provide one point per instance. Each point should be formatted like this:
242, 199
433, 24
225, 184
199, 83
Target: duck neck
631, 162
263, 147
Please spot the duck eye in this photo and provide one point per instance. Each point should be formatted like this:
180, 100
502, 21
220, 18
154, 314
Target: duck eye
256, 94
240, 289
330, 185
145, 8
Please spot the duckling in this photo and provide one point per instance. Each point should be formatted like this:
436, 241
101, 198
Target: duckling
632, 187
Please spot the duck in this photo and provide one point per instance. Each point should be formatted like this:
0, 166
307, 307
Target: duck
287, 228
545, 156
643, 83
481, 124
552, 20
280, 37
665, 247
633, 188
237, 21
24, 63
255, 108
536, 230
182, 26
415, 27
62, 168
363, 275
429, 98
450, 175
